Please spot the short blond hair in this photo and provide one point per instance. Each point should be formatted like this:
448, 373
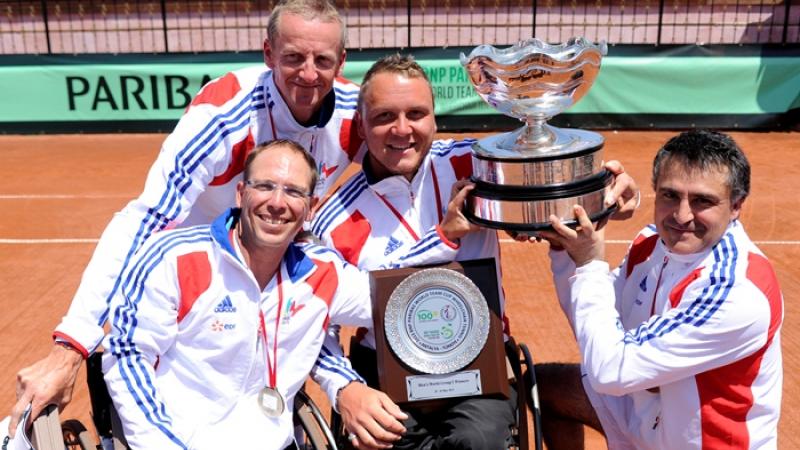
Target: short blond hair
396, 63
285, 143
322, 10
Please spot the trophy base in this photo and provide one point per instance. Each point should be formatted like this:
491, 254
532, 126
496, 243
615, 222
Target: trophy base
529, 209
536, 227
576, 156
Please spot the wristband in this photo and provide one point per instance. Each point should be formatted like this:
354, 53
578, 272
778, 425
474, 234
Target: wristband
69, 346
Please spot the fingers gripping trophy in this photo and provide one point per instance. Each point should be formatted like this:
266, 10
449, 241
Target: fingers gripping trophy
524, 176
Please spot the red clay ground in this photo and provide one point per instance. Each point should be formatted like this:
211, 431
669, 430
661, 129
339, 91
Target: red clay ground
58, 192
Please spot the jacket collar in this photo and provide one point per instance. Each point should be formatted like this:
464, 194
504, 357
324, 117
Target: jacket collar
692, 258
298, 264
283, 116
395, 182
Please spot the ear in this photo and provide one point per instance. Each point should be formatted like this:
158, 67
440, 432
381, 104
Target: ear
312, 208
343, 57
268, 55
239, 193
736, 208
359, 125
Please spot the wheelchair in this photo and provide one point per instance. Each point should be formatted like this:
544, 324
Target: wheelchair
311, 429
521, 367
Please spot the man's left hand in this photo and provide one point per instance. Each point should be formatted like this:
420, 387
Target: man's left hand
454, 224
624, 192
372, 419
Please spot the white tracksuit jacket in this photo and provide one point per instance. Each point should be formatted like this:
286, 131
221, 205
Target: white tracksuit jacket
186, 357
360, 220
704, 329
194, 177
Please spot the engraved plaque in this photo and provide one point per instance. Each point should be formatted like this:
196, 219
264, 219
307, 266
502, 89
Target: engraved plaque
431, 322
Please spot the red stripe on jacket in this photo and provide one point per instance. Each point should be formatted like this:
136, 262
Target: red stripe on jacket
349, 138
218, 91
676, 293
761, 274
349, 237
324, 282
462, 165
641, 249
194, 278
726, 393
239, 153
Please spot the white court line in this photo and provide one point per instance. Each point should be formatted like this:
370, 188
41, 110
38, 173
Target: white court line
502, 241
59, 196
628, 242
49, 241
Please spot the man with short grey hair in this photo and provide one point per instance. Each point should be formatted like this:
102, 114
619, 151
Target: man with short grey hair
299, 95
680, 345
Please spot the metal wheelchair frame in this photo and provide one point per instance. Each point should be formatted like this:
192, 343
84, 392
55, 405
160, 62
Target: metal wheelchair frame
311, 429
524, 378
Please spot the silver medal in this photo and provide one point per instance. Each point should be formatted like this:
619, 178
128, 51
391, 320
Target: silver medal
271, 402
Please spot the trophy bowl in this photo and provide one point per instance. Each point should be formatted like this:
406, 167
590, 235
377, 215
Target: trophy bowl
524, 176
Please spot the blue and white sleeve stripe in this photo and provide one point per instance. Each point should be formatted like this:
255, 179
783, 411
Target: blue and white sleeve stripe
703, 307
338, 204
187, 160
135, 370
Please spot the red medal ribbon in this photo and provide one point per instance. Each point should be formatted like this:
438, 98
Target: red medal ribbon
272, 368
400, 216
436, 190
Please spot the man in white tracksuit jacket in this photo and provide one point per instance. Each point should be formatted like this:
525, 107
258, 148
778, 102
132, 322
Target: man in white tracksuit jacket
681, 344
402, 210
298, 95
215, 314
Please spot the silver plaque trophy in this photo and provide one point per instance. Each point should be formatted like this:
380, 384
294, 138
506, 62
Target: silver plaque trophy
524, 176
439, 332
437, 321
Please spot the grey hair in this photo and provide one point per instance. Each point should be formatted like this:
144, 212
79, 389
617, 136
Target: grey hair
322, 10
705, 149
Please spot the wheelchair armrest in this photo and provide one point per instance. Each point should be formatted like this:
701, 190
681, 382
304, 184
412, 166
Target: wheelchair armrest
46, 432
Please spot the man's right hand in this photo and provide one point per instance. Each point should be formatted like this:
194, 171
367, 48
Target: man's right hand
454, 224
370, 416
584, 244
48, 381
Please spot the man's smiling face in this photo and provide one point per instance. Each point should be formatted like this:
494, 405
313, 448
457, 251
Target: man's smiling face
275, 199
397, 123
693, 207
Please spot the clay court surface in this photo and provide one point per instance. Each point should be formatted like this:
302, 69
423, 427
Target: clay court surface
58, 192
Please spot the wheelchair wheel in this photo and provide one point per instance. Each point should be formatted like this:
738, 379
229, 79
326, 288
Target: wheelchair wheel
76, 436
311, 429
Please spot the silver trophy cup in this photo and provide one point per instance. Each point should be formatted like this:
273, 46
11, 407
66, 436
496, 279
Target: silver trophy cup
524, 176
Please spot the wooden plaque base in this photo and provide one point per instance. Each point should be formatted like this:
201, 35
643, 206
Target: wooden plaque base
393, 373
